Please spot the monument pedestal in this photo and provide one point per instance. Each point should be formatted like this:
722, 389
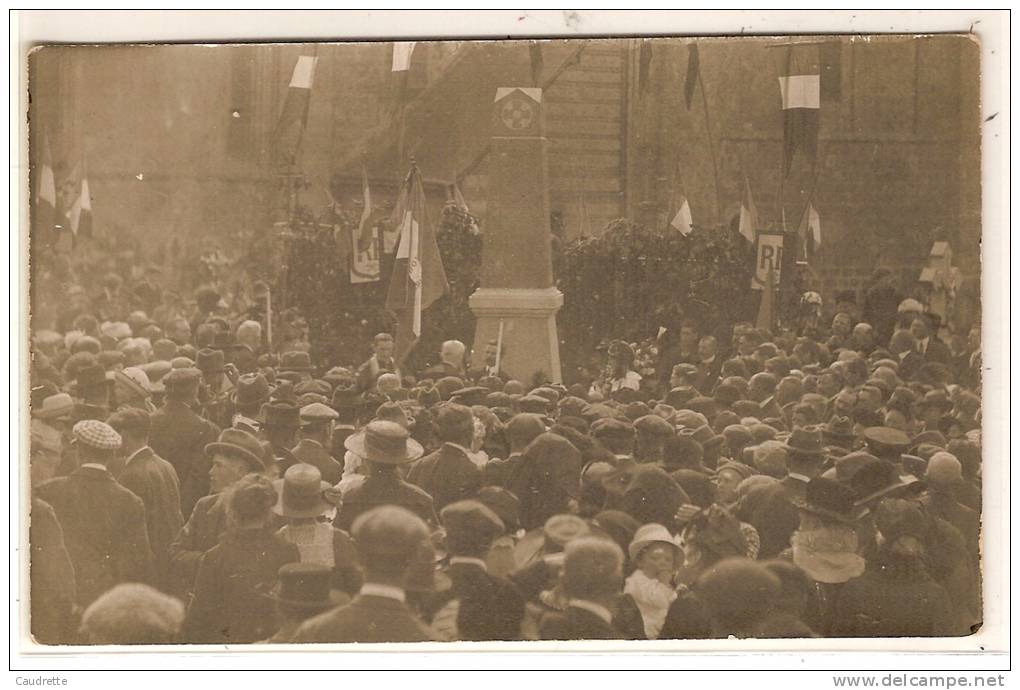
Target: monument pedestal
529, 329
516, 279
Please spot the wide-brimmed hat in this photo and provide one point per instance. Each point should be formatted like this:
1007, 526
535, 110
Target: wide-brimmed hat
239, 444
386, 443
876, 479
829, 499
295, 360
647, 535
839, 429
56, 406
283, 415
301, 492
307, 586
806, 440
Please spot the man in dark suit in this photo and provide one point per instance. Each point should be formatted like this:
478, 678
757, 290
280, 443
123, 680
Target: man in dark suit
52, 578
390, 540
486, 607
521, 430
709, 365
153, 480
103, 523
451, 356
233, 455
592, 578
488, 367
384, 446
316, 436
929, 345
448, 474
379, 363
904, 346
180, 436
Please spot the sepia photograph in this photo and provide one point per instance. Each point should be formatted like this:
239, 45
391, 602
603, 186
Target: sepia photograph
649, 339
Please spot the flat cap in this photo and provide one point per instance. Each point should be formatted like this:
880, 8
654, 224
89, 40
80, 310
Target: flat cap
653, 425
96, 434
317, 413
611, 427
313, 386
884, 438
689, 419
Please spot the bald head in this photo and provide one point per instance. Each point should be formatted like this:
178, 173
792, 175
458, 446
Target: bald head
452, 352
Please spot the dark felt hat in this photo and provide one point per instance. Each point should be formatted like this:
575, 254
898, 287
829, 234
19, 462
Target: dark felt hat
828, 498
284, 415
239, 444
209, 361
92, 377
471, 526
806, 441
295, 360
250, 389
876, 479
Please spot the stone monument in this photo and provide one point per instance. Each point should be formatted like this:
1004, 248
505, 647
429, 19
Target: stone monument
516, 287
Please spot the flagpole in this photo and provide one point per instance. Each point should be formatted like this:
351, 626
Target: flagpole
711, 146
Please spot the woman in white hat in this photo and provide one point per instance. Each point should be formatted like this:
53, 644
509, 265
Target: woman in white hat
656, 556
302, 502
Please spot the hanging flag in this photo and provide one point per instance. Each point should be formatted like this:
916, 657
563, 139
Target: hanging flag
80, 215
418, 277
644, 65
748, 214
364, 229
810, 228
682, 220
799, 88
291, 125
45, 206
402, 52
365, 262
693, 72
537, 63
401, 68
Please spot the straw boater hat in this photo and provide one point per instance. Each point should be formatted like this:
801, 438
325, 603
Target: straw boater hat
56, 406
301, 493
386, 443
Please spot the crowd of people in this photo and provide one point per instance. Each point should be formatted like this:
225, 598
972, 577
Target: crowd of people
191, 483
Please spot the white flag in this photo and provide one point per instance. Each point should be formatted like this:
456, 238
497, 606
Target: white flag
682, 220
814, 225
402, 56
748, 214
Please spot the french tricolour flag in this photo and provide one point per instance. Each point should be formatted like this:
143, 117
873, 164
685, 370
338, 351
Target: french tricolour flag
799, 87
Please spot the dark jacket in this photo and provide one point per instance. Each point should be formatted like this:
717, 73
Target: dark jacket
154, 480
910, 366
448, 475
312, 453
51, 578
370, 370
384, 489
366, 619
180, 436
104, 530
893, 600
235, 578
688, 618
497, 472
202, 531
770, 510
490, 608
576, 624
937, 351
